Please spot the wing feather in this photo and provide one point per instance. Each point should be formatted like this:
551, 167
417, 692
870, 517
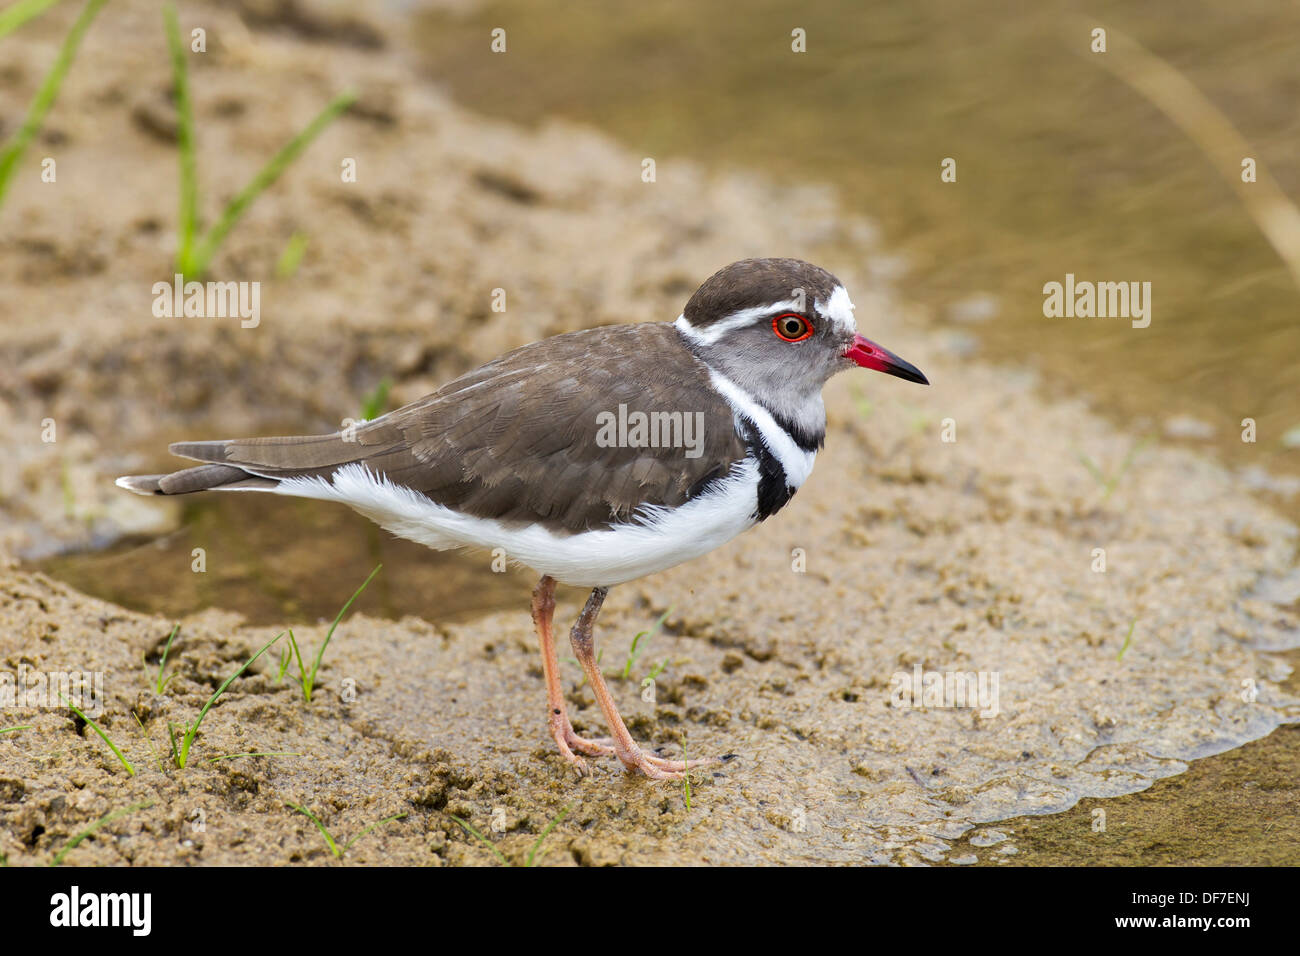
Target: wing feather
516, 439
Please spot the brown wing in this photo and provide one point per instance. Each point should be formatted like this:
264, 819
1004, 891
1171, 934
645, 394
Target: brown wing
517, 439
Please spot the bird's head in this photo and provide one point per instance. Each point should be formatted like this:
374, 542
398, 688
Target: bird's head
779, 328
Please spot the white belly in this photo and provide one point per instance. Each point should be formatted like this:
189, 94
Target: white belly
657, 539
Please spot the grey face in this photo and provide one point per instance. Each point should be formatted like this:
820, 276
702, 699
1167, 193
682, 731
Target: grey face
778, 328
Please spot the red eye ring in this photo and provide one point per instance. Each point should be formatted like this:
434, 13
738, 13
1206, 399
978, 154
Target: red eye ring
781, 323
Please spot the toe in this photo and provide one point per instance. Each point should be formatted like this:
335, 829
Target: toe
599, 747
646, 769
659, 768
664, 764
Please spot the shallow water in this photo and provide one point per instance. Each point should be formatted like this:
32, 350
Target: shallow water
279, 560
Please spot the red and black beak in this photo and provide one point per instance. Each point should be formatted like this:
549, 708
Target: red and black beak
868, 354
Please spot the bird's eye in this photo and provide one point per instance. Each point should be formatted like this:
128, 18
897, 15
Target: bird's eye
791, 327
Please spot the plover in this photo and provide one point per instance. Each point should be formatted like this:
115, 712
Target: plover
593, 457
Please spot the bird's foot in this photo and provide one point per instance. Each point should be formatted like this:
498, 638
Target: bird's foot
649, 764
635, 759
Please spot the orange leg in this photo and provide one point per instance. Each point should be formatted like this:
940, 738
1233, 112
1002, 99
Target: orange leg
634, 758
557, 713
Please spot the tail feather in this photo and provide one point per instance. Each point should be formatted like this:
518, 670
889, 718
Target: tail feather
258, 464
202, 478
199, 479
141, 484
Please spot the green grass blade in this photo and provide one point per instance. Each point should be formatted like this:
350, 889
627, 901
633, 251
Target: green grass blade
636, 642
97, 729
304, 680
1128, 639
469, 828
45, 96
374, 826
12, 17
546, 831
189, 177
10, 730
192, 730
334, 847
1127, 463
160, 685
320, 654
291, 257
286, 657
268, 174
106, 818
376, 401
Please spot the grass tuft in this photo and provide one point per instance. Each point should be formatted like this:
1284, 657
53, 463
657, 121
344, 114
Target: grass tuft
531, 859
194, 252
337, 850
1110, 483
181, 749
159, 684
546, 831
10, 20
473, 831
189, 179
307, 679
645, 635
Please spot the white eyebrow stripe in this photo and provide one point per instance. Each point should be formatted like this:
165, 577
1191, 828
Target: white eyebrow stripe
838, 309
737, 320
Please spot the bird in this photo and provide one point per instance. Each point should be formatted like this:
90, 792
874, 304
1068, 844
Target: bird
593, 457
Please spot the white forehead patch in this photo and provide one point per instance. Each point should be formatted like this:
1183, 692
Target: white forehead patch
839, 310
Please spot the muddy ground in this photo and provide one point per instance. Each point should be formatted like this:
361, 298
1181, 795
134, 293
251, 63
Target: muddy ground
903, 549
